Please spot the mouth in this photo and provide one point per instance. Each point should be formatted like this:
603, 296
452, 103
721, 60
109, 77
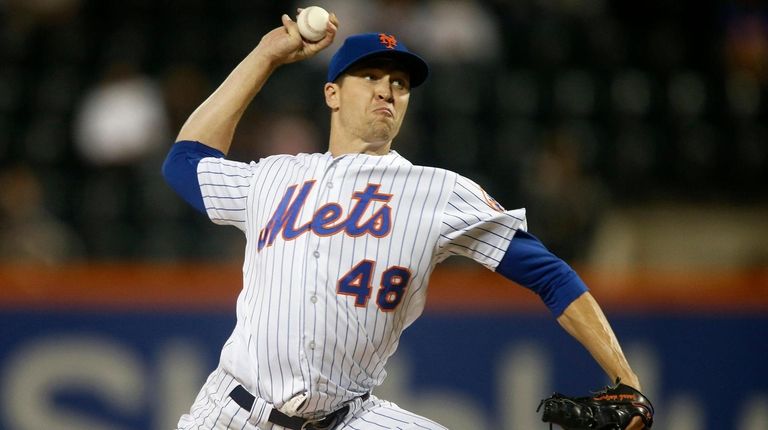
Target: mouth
384, 111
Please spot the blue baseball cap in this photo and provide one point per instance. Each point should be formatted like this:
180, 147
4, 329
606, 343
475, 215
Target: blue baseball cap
369, 45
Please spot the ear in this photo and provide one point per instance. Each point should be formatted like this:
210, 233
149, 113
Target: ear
331, 95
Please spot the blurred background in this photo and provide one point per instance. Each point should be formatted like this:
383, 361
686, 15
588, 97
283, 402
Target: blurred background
633, 132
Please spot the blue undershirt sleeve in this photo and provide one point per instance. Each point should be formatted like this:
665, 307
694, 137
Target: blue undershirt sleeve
529, 263
180, 170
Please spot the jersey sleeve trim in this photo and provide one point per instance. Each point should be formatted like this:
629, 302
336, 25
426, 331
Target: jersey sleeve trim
180, 170
529, 263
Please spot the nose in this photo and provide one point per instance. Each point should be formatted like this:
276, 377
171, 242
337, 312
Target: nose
384, 89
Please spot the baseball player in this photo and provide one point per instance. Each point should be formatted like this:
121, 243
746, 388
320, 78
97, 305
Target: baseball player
340, 245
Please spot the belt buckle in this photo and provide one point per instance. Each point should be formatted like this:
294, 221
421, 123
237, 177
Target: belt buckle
312, 424
328, 421
309, 423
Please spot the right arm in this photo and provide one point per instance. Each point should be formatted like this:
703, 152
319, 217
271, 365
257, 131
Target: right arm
214, 121
208, 132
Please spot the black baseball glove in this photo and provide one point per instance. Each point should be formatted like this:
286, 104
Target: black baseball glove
610, 409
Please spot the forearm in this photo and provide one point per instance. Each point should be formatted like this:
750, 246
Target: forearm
214, 121
584, 320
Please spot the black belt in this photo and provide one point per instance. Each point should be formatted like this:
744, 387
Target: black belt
242, 397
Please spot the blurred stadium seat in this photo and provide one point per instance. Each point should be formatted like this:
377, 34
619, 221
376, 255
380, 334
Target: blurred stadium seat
658, 116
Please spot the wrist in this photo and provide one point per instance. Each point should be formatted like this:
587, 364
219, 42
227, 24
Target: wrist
265, 59
630, 379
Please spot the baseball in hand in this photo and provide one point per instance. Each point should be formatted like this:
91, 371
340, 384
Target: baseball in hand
312, 22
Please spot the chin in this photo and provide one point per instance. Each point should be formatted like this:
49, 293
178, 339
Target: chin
382, 134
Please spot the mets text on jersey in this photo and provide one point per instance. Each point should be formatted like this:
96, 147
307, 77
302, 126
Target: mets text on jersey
327, 221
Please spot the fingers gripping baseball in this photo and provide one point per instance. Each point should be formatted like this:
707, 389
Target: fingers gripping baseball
285, 45
311, 48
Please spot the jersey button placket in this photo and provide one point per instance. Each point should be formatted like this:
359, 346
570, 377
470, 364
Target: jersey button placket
313, 283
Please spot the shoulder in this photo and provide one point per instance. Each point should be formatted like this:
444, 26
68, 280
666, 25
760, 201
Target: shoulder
432, 170
282, 157
302, 158
458, 182
269, 163
469, 191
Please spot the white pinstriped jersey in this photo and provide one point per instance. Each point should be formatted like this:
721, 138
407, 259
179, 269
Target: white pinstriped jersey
338, 256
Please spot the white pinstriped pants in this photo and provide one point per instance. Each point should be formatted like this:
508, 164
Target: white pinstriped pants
213, 409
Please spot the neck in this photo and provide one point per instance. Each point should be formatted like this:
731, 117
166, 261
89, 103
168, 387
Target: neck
340, 144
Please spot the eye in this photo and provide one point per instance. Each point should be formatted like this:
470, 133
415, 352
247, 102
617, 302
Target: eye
400, 84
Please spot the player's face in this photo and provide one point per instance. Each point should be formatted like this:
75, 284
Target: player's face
373, 98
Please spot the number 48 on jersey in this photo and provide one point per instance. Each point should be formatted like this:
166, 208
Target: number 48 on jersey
392, 285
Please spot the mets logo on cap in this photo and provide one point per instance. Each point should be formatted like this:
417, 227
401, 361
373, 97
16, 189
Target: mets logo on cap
388, 40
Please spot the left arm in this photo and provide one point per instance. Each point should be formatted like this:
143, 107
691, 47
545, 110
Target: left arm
474, 227
533, 266
584, 320
529, 263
